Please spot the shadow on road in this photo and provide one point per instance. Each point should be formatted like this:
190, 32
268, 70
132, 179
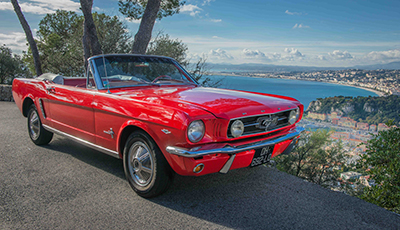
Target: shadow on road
85, 154
258, 197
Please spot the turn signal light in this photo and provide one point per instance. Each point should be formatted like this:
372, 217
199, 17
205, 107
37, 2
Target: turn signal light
198, 168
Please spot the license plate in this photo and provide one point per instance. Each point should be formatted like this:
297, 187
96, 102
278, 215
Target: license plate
262, 156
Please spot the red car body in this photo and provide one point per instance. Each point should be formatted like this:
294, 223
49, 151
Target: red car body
104, 117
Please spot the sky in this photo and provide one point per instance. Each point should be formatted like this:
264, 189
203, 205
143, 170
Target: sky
325, 33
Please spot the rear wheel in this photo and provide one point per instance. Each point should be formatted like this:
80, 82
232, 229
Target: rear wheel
37, 133
146, 168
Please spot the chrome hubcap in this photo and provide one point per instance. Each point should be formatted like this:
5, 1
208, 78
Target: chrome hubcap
141, 164
34, 125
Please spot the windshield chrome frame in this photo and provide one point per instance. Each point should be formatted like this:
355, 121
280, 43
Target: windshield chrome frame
99, 85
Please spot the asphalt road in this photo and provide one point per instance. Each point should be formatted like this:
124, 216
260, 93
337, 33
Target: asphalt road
68, 186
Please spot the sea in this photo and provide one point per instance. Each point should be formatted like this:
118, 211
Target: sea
304, 91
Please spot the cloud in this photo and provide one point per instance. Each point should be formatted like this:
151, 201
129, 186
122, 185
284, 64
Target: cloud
290, 54
6, 6
384, 55
292, 13
300, 26
219, 54
135, 21
16, 41
190, 9
207, 2
43, 6
293, 52
340, 55
275, 56
253, 53
216, 20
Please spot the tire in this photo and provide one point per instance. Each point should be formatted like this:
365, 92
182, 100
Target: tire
146, 168
37, 133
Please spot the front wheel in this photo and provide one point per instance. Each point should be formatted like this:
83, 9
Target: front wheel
146, 168
37, 133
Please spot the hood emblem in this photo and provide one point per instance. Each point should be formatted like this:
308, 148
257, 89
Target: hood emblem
266, 122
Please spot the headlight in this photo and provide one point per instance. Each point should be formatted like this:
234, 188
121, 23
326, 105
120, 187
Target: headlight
237, 128
196, 131
293, 116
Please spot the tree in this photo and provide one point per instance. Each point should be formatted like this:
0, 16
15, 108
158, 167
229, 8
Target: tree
315, 159
60, 41
382, 163
91, 44
11, 66
163, 45
29, 37
324, 163
148, 11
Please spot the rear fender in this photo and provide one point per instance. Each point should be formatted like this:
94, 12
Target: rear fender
26, 104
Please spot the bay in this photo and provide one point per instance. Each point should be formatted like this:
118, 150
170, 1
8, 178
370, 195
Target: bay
304, 91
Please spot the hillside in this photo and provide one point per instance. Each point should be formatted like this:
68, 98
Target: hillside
372, 110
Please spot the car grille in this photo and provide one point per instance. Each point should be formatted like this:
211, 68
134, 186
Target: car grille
262, 123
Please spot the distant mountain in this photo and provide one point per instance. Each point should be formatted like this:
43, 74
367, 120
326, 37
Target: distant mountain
391, 65
252, 67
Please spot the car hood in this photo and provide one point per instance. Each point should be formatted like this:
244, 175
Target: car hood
223, 103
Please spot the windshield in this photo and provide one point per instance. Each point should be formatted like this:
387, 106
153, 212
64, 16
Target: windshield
125, 71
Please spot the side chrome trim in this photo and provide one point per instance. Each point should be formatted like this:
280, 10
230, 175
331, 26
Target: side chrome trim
86, 143
234, 149
41, 108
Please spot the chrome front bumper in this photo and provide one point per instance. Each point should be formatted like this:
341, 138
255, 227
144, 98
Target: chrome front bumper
230, 150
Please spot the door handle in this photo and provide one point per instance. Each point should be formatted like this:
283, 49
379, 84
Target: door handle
51, 89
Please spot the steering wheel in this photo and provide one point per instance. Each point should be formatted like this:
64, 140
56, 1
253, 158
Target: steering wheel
162, 76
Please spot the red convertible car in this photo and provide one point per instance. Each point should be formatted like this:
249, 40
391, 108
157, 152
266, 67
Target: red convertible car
150, 112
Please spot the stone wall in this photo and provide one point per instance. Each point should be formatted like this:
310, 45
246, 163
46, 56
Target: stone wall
6, 93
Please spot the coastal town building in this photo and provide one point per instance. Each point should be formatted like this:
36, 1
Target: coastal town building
363, 126
318, 116
350, 175
372, 128
382, 127
347, 122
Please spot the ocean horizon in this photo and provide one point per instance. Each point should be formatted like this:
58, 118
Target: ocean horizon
304, 91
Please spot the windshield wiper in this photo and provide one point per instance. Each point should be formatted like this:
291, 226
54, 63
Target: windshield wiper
177, 80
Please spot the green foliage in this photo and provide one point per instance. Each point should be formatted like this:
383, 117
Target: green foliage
11, 66
316, 158
382, 163
112, 34
165, 46
60, 41
373, 110
134, 9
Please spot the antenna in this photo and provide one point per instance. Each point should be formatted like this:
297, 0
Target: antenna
105, 72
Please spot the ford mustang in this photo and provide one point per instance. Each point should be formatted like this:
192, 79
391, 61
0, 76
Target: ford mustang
151, 113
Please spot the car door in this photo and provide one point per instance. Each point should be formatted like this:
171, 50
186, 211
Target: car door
71, 110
